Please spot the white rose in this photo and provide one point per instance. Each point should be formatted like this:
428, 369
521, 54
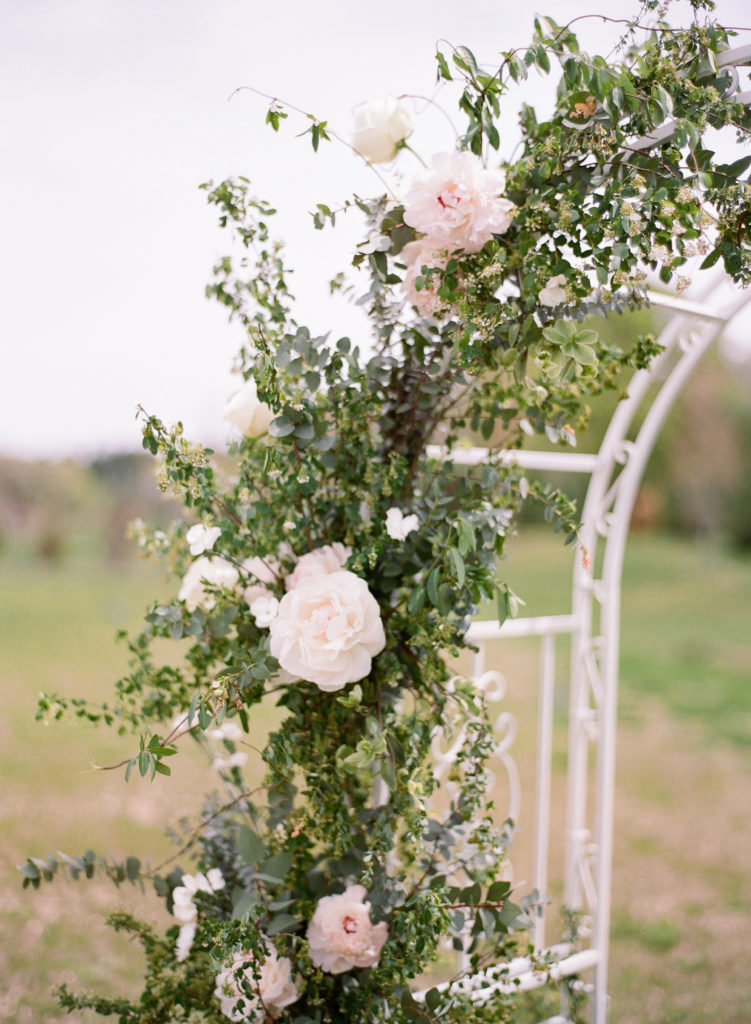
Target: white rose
554, 292
379, 126
327, 630
202, 538
247, 412
341, 935
458, 203
398, 526
216, 571
274, 988
319, 562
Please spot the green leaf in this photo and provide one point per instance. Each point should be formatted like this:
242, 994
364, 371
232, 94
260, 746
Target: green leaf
282, 922
250, 846
281, 427
458, 567
275, 868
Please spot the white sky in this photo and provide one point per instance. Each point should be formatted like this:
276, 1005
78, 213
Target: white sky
115, 111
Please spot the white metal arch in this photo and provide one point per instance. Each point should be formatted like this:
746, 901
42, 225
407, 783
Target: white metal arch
594, 627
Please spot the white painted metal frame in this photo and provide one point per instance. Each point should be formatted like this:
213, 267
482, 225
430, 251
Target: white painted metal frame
594, 627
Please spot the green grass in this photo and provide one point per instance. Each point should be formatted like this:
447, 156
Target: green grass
686, 623
686, 665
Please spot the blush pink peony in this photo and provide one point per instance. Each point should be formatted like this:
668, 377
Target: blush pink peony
341, 935
458, 203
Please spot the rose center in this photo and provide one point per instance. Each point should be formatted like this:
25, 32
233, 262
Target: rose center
448, 199
320, 620
349, 925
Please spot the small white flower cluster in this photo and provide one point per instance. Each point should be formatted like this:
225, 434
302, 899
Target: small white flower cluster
554, 292
399, 526
231, 732
202, 538
185, 909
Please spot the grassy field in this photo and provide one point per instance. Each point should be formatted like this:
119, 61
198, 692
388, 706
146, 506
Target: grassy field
682, 888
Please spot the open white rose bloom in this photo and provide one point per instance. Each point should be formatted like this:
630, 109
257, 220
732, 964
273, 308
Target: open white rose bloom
327, 630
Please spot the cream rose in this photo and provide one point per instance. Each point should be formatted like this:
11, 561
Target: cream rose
318, 562
327, 630
458, 203
247, 412
380, 126
273, 987
341, 935
216, 571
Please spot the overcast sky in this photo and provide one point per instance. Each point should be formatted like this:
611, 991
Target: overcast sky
116, 110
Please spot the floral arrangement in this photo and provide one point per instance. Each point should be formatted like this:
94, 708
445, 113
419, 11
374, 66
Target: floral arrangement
335, 566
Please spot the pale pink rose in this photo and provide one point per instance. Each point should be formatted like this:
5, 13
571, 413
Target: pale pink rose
319, 562
341, 935
458, 203
216, 571
554, 292
379, 126
327, 630
274, 988
419, 254
247, 412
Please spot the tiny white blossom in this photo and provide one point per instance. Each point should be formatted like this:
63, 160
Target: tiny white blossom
202, 538
185, 941
227, 731
264, 610
237, 760
554, 292
398, 526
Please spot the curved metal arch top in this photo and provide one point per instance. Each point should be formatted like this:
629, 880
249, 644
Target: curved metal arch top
594, 627
593, 623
